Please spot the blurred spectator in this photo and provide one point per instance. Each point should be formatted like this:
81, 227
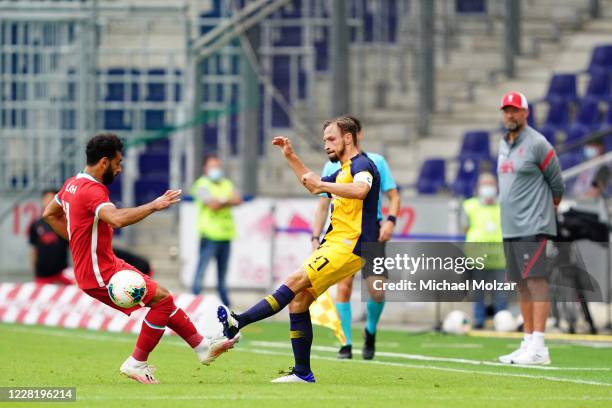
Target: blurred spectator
482, 222
214, 196
49, 251
592, 182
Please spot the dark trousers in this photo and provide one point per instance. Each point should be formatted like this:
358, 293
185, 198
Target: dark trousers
499, 299
220, 250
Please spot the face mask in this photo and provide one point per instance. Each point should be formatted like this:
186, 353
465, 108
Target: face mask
487, 192
590, 152
215, 174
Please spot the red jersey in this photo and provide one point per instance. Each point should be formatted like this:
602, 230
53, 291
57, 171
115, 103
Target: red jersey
90, 238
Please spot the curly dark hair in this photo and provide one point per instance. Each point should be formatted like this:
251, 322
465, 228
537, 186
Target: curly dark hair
103, 145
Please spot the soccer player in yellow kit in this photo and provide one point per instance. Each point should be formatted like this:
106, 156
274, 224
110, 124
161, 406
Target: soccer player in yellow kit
355, 189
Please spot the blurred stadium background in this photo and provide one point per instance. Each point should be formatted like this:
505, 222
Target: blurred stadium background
178, 79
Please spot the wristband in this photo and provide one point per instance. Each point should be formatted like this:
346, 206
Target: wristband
314, 237
392, 218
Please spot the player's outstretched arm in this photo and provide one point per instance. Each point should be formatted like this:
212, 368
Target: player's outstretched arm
358, 190
122, 217
298, 167
55, 217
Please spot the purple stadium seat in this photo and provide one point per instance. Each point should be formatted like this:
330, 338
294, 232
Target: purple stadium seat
562, 88
531, 119
467, 177
432, 177
601, 59
146, 189
475, 144
570, 159
599, 86
589, 114
607, 122
558, 116
549, 133
471, 6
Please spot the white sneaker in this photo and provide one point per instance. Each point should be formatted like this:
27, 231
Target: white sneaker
211, 348
532, 356
294, 378
507, 358
138, 370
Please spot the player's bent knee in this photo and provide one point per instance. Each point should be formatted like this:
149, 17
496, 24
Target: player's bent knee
160, 294
301, 302
297, 281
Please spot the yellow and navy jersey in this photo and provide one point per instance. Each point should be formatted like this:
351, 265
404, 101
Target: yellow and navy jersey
352, 220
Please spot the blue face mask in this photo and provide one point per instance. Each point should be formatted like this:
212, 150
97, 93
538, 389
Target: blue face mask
590, 152
215, 174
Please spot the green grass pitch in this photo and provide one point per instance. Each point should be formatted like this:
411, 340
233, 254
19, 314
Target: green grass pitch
409, 370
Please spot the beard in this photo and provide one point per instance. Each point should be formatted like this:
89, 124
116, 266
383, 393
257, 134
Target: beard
108, 176
335, 157
512, 126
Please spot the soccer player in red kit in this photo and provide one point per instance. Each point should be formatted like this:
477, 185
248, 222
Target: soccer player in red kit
83, 214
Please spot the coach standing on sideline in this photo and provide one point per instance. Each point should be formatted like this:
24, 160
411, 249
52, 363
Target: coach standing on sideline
530, 189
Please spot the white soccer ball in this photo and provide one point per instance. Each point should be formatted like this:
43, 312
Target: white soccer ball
456, 322
127, 288
503, 321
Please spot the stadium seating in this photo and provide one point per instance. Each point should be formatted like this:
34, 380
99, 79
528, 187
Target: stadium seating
558, 115
467, 176
588, 114
475, 145
601, 59
599, 86
531, 119
432, 177
549, 133
562, 87
123, 85
570, 159
146, 189
607, 122
471, 6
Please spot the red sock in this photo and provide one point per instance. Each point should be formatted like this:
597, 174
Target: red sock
153, 328
182, 325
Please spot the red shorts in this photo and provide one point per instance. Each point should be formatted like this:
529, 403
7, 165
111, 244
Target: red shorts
58, 279
102, 295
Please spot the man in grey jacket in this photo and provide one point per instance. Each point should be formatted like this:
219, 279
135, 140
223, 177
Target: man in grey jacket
530, 189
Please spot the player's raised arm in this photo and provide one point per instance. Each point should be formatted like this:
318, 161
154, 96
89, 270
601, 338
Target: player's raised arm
296, 164
55, 217
122, 217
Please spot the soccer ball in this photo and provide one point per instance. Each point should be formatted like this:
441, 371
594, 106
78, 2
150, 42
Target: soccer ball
503, 321
456, 322
127, 288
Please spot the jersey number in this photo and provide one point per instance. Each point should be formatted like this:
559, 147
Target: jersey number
322, 262
66, 207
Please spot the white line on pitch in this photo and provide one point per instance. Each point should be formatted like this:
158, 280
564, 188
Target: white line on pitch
273, 344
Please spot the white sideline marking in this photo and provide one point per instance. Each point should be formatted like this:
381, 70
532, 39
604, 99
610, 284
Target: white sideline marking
420, 357
427, 367
101, 337
451, 345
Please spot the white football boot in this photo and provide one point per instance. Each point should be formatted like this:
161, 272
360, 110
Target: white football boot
138, 370
211, 348
532, 356
507, 358
292, 377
